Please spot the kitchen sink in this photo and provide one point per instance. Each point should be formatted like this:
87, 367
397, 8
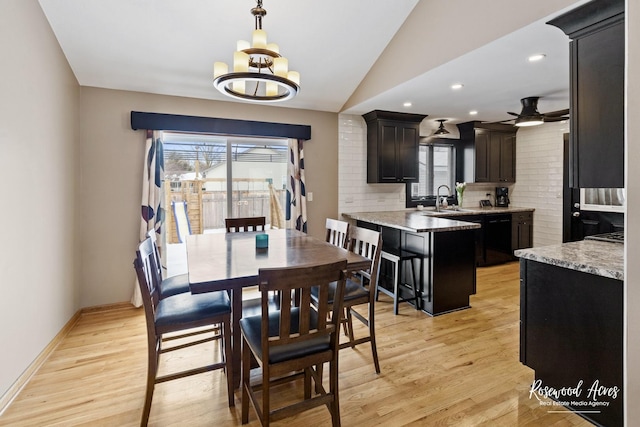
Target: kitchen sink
444, 212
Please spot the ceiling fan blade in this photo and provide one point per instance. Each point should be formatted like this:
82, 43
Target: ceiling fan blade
557, 113
555, 119
513, 114
505, 121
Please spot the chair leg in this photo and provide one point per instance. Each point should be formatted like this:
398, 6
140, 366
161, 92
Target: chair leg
345, 323
226, 331
350, 323
319, 370
245, 381
334, 405
152, 369
396, 279
307, 383
265, 414
415, 283
372, 337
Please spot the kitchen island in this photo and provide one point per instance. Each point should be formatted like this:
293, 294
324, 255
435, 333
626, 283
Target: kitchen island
571, 326
447, 273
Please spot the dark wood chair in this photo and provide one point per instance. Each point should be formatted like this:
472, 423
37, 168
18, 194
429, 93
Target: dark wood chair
360, 290
172, 285
294, 341
337, 232
254, 223
180, 316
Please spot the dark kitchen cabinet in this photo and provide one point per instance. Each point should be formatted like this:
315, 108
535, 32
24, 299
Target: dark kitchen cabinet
392, 146
571, 334
486, 153
521, 230
597, 93
499, 235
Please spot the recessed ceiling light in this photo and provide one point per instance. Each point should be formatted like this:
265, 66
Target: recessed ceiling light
473, 113
537, 57
407, 104
457, 86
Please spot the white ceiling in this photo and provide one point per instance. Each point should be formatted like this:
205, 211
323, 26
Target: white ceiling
169, 47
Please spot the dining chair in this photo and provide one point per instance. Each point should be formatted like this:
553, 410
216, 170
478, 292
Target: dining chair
172, 285
360, 289
336, 232
294, 341
179, 317
254, 223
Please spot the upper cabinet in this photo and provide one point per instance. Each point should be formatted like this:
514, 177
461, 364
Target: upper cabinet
597, 93
486, 153
392, 146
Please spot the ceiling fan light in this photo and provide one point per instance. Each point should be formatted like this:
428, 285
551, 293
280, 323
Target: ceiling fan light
529, 121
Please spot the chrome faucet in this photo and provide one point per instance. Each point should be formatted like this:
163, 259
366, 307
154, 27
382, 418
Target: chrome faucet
438, 203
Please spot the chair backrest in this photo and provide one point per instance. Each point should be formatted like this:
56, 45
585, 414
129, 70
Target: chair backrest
367, 243
297, 316
254, 223
151, 234
337, 232
148, 280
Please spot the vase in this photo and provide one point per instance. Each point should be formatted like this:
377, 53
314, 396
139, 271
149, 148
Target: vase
459, 198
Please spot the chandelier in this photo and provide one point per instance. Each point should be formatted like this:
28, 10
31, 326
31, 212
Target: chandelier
260, 73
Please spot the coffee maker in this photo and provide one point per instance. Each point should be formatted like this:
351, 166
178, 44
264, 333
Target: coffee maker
502, 197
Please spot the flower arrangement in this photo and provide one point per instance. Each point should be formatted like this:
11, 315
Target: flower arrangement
460, 187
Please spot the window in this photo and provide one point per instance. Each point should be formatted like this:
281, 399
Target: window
225, 176
437, 166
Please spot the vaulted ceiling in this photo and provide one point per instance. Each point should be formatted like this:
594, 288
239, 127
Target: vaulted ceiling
353, 56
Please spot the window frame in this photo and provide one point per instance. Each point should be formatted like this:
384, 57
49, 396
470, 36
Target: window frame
430, 200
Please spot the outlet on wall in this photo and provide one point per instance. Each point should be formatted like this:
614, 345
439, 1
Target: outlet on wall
309, 196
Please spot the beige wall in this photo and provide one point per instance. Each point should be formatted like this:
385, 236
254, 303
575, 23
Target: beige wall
38, 158
632, 226
111, 156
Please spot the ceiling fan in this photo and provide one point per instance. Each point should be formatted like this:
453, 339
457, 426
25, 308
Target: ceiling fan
530, 116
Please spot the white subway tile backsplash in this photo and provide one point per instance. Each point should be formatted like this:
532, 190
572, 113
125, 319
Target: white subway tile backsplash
539, 177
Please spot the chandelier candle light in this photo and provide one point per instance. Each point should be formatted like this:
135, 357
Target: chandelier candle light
260, 73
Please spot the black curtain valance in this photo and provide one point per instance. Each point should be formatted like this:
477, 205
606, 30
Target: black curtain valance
175, 122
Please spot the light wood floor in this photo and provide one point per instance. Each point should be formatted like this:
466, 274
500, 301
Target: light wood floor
458, 369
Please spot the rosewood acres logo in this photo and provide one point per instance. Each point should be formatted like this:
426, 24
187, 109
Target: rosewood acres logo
594, 396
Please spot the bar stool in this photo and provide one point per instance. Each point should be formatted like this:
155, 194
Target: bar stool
397, 259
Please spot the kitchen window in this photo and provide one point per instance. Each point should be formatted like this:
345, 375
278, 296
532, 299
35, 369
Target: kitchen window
436, 163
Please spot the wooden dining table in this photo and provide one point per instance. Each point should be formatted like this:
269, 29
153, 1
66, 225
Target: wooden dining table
231, 261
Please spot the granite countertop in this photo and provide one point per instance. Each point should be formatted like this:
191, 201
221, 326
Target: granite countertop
415, 221
589, 256
448, 212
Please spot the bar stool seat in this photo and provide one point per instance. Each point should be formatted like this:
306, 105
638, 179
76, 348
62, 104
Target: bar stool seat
397, 258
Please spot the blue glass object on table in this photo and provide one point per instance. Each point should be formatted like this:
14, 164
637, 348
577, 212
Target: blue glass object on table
262, 241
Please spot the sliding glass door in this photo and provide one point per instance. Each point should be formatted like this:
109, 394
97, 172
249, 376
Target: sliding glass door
220, 177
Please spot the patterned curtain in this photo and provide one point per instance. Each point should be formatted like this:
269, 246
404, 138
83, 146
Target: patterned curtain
296, 192
152, 206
